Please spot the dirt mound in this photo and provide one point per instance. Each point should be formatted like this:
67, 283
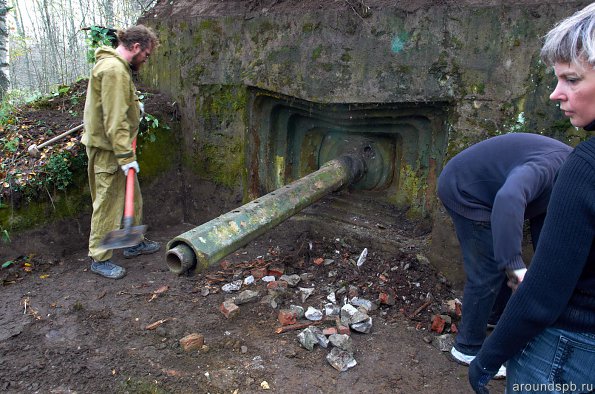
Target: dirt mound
23, 175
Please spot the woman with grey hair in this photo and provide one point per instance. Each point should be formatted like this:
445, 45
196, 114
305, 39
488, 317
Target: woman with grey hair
547, 331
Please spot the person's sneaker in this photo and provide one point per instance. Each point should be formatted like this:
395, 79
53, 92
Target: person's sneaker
465, 359
108, 269
145, 247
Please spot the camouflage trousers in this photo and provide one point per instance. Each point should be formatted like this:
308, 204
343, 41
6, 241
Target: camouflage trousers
107, 184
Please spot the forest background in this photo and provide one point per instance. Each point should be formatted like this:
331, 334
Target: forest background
43, 45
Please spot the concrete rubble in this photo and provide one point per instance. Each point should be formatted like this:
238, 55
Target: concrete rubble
340, 359
342, 310
292, 280
306, 292
246, 296
233, 286
313, 314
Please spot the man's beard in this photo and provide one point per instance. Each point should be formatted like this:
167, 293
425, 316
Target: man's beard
135, 63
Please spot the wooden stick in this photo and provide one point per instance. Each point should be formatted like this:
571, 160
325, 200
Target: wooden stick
421, 308
298, 326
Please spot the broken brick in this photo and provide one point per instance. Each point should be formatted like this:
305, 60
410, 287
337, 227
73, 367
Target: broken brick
438, 324
329, 331
318, 261
386, 298
229, 309
276, 271
453, 328
287, 317
258, 273
458, 310
341, 329
192, 342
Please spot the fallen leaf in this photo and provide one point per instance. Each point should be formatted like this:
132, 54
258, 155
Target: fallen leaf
44, 276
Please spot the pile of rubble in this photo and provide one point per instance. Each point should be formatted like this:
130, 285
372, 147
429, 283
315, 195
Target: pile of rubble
337, 308
330, 325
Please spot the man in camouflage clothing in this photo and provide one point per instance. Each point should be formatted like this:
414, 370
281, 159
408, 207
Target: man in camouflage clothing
112, 115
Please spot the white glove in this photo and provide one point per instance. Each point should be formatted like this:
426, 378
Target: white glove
130, 165
515, 277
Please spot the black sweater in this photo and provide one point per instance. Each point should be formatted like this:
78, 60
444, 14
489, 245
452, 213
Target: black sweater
559, 287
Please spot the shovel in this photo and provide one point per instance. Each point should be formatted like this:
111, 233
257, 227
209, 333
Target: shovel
34, 150
128, 235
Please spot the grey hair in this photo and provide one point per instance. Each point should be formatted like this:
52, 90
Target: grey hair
572, 40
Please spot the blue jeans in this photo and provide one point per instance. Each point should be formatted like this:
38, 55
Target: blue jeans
485, 288
556, 361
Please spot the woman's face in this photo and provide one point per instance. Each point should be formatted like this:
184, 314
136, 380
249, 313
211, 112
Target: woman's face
576, 92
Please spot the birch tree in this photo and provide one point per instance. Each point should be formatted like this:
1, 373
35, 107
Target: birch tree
4, 42
49, 44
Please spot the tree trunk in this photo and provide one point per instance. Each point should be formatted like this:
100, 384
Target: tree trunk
4, 65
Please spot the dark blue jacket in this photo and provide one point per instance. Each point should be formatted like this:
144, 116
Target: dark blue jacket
503, 180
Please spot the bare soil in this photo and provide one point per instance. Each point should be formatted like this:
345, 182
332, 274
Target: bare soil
65, 330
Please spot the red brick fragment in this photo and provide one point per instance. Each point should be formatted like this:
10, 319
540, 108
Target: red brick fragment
277, 284
287, 317
318, 261
386, 298
229, 309
259, 273
192, 342
453, 328
329, 331
343, 330
438, 324
276, 271
458, 310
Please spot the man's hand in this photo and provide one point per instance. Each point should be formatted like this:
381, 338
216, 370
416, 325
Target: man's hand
130, 165
515, 277
478, 379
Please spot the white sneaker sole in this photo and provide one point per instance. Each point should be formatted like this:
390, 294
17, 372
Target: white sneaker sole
465, 359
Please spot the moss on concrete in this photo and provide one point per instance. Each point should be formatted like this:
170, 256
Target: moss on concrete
412, 189
157, 156
220, 153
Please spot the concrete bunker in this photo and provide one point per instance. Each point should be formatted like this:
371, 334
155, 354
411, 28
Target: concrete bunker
266, 92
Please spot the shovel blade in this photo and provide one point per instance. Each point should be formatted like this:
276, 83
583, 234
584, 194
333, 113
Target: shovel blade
123, 238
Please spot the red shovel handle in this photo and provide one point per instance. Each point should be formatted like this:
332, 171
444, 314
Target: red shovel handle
129, 199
